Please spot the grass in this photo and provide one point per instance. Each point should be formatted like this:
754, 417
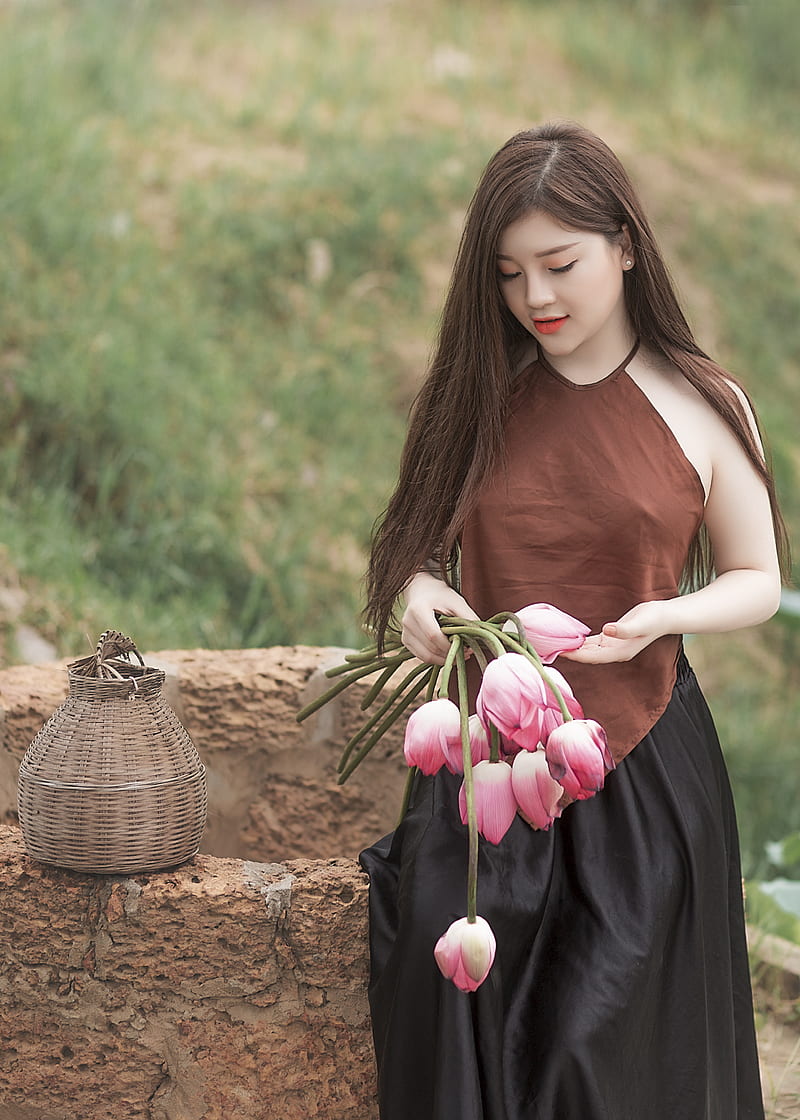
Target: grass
226, 231
751, 681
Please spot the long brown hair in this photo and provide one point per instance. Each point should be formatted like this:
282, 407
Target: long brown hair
455, 434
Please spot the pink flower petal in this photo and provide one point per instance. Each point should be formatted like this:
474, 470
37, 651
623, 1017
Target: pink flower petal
495, 805
578, 756
535, 790
551, 631
479, 747
479, 740
512, 696
465, 952
432, 730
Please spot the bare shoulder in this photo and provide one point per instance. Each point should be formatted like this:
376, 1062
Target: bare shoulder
666, 386
748, 411
657, 376
706, 439
694, 423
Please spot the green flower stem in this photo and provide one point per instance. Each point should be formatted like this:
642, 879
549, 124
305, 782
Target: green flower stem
377, 686
477, 650
340, 686
509, 616
523, 646
373, 665
370, 653
447, 668
478, 631
475, 645
433, 681
528, 651
412, 773
361, 656
381, 712
367, 666
469, 788
494, 743
381, 729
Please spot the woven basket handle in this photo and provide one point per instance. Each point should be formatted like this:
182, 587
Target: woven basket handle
112, 644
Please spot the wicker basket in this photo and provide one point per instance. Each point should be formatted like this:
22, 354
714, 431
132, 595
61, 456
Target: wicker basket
112, 783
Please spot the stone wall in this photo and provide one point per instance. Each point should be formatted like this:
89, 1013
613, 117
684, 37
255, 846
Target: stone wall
225, 989
230, 987
271, 781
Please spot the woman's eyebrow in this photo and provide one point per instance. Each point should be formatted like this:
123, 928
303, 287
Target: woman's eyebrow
545, 253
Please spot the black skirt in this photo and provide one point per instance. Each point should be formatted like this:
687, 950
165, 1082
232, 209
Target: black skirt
620, 989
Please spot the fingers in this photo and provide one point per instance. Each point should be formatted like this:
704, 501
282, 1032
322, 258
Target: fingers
427, 597
425, 639
624, 638
597, 655
593, 651
455, 605
604, 648
466, 611
625, 628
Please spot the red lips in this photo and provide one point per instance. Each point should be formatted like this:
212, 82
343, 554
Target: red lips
549, 326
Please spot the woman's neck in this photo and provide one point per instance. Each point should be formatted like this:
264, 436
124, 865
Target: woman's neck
595, 358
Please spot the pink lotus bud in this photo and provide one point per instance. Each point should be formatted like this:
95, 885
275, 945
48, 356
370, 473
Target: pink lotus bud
479, 740
465, 953
578, 756
495, 806
432, 731
479, 747
512, 696
551, 716
550, 630
508, 748
536, 792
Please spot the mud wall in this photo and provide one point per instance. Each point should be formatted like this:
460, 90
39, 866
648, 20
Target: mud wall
235, 985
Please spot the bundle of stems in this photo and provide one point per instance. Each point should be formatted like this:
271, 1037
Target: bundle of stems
483, 640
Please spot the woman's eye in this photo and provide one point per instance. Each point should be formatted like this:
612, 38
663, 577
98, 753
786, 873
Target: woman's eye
508, 275
564, 268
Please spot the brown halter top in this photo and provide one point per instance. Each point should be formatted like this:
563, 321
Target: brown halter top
592, 508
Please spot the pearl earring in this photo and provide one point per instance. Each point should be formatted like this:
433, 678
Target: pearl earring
628, 264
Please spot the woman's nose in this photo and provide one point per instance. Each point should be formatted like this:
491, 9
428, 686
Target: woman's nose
539, 293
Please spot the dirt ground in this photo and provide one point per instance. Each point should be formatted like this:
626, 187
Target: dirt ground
779, 1048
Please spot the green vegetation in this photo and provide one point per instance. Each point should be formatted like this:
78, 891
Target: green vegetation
769, 917
751, 681
226, 230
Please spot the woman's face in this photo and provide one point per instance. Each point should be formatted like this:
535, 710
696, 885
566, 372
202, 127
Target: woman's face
565, 286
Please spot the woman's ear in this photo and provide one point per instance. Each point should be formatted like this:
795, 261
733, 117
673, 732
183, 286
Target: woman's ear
626, 246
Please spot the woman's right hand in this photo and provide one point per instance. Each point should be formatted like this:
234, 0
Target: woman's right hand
426, 596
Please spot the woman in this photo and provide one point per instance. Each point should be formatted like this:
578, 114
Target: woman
573, 445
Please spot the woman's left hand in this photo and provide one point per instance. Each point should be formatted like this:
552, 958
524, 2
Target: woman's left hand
623, 639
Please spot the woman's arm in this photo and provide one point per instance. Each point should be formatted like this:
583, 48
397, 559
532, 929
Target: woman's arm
746, 589
426, 596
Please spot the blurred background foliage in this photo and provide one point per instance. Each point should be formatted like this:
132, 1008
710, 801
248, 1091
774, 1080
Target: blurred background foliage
225, 233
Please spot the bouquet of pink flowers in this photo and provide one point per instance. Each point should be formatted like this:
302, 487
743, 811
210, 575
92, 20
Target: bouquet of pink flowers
525, 751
